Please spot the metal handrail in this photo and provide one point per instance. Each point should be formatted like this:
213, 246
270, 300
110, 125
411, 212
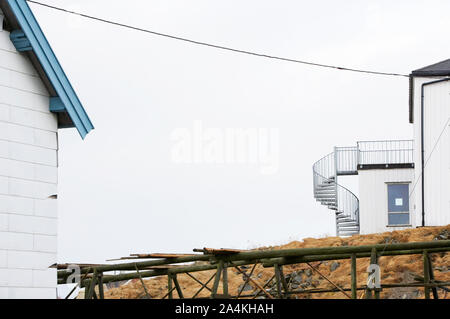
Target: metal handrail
385, 152
325, 173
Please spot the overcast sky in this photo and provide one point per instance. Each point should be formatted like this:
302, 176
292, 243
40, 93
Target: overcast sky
120, 191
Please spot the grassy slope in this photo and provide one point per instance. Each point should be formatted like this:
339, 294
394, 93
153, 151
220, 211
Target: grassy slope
394, 269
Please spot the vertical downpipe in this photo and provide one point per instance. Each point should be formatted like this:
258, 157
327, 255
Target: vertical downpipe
422, 153
1, 20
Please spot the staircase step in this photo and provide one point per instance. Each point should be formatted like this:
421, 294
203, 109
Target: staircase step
345, 234
346, 229
345, 220
328, 203
326, 198
325, 193
320, 188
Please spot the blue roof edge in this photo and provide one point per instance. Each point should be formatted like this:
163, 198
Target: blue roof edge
51, 66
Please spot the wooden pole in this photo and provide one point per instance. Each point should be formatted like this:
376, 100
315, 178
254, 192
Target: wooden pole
100, 286
143, 284
91, 291
278, 280
257, 284
246, 280
325, 277
426, 274
373, 261
177, 286
169, 286
353, 275
283, 281
217, 279
430, 268
198, 281
204, 286
254, 255
269, 262
225, 279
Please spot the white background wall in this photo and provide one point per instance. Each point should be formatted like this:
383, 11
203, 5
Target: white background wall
28, 176
437, 169
373, 198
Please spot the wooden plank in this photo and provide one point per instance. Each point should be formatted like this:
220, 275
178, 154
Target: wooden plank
220, 251
66, 265
160, 255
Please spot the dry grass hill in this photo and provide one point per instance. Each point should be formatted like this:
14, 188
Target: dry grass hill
395, 269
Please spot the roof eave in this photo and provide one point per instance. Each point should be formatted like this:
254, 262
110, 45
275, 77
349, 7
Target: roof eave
21, 16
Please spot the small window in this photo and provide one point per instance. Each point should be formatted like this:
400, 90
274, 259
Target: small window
398, 204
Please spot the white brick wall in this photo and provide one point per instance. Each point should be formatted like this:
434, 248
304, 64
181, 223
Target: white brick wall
3, 258
32, 224
28, 176
31, 293
29, 260
45, 243
4, 222
4, 293
16, 241
46, 208
44, 278
18, 205
17, 277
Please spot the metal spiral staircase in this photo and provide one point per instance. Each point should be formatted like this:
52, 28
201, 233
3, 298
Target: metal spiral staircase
327, 191
347, 161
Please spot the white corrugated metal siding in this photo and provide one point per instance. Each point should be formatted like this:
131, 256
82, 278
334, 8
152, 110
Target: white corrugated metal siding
373, 198
437, 170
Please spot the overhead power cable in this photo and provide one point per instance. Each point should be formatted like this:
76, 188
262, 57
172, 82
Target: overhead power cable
216, 46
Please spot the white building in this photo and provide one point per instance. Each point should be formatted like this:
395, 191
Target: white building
402, 184
36, 99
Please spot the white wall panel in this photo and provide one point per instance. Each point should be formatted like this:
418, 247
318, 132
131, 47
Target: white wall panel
31, 293
44, 278
44, 243
30, 259
437, 154
16, 241
3, 258
28, 175
373, 197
